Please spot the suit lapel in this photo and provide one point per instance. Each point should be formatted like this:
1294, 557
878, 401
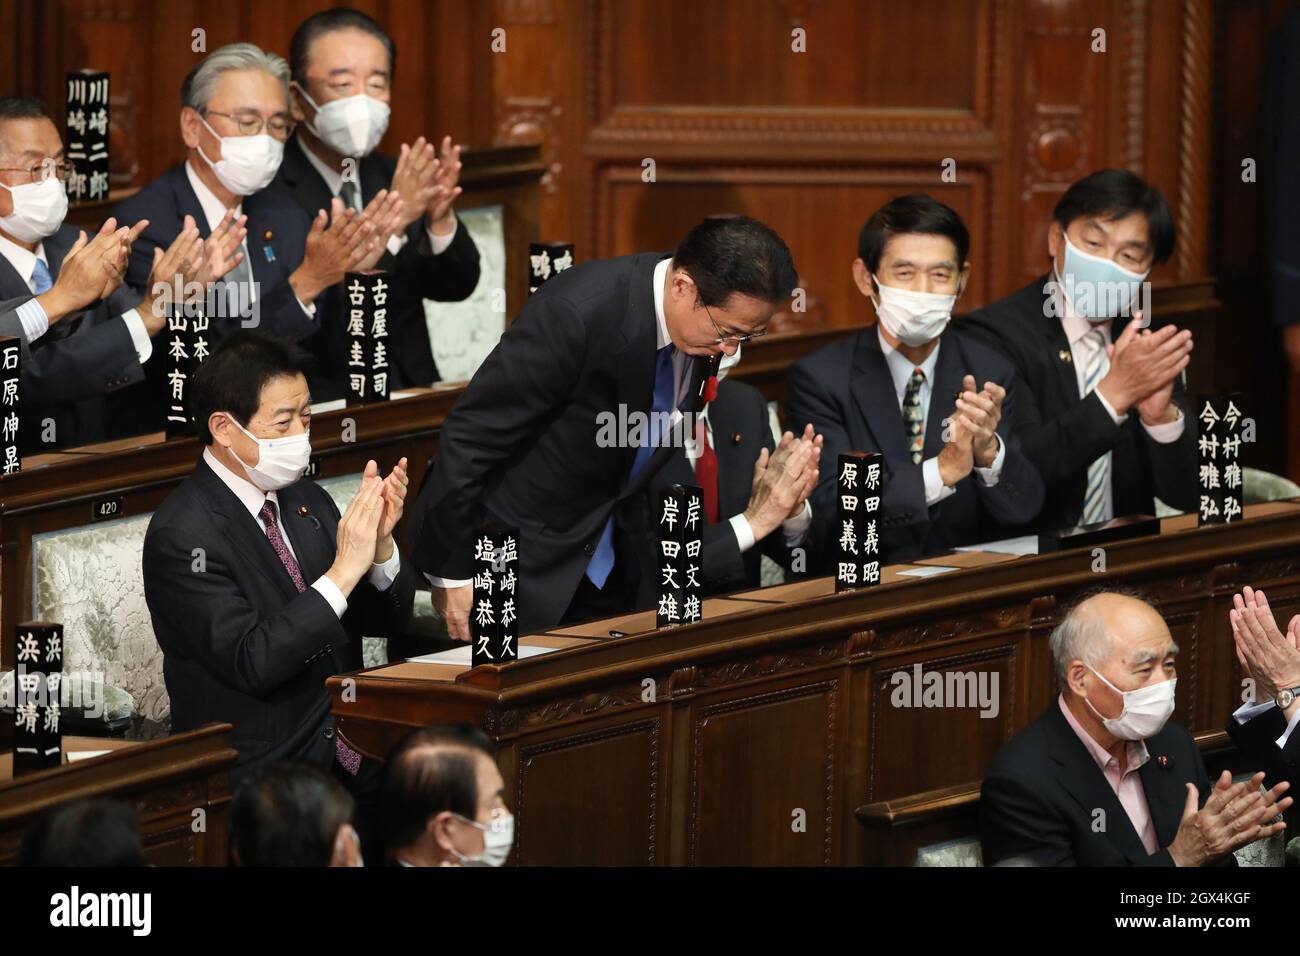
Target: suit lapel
306, 534
302, 179
1057, 348
873, 390
948, 373
735, 460
1164, 791
1080, 776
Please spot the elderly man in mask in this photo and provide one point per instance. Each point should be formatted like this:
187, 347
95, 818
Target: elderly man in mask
1102, 778
938, 406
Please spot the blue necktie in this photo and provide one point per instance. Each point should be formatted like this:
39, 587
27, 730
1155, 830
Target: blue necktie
602, 561
41, 277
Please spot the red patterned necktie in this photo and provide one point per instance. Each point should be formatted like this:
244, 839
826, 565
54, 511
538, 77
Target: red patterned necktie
706, 471
349, 758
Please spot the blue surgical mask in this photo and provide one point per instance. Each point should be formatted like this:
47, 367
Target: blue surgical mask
1098, 288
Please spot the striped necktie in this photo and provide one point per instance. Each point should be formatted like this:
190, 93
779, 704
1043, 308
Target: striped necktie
1094, 501
914, 416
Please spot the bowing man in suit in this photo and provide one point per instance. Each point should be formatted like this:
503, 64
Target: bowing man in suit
342, 64
258, 589
1265, 730
751, 488
83, 334
271, 261
1102, 413
1102, 778
550, 436
954, 470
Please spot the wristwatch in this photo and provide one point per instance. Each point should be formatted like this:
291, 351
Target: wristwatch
1285, 697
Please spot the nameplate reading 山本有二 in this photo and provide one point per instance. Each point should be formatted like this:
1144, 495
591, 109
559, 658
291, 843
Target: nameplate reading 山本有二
681, 540
38, 660
546, 260
11, 359
858, 482
87, 137
365, 318
1219, 423
493, 618
188, 345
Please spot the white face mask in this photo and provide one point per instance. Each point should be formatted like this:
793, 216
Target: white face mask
913, 318
280, 461
1145, 712
352, 126
39, 209
248, 163
498, 838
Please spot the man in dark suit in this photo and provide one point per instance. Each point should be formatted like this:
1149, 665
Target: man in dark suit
83, 334
1101, 778
269, 261
954, 473
1102, 412
550, 437
1264, 729
342, 65
751, 488
257, 588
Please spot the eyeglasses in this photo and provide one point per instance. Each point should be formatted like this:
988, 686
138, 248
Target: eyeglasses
250, 124
736, 338
43, 170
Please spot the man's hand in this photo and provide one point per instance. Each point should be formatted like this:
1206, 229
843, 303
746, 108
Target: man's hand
1233, 816
982, 412
957, 458
336, 245
175, 267
782, 481
358, 533
438, 214
384, 213
1143, 367
223, 249
1267, 655
453, 606
415, 179
394, 494
91, 270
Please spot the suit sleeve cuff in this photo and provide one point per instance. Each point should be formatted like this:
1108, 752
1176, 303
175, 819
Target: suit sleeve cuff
1286, 735
1247, 712
139, 335
331, 593
448, 583
1117, 418
396, 243
794, 529
307, 307
32, 317
988, 477
439, 244
935, 489
744, 533
1167, 432
383, 575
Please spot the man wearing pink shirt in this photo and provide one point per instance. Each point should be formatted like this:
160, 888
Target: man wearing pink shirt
1102, 778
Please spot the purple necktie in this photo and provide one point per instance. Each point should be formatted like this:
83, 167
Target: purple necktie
349, 758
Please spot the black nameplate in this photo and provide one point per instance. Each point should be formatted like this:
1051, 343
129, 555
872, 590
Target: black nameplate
87, 136
859, 482
494, 615
103, 509
38, 676
546, 260
680, 534
10, 420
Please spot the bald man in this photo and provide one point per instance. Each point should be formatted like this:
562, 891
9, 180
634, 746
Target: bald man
1102, 778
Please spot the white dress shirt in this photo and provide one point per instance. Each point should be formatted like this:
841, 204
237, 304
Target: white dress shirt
253, 498
31, 314
214, 210
900, 370
334, 181
1076, 329
1246, 711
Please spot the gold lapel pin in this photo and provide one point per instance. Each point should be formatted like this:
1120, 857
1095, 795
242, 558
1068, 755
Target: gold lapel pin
735, 438
1065, 356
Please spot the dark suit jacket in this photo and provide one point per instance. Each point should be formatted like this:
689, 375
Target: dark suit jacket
1042, 791
1279, 145
277, 239
520, 445
1257, 738
415, 274
846, 392
70, 369
739, 410
239, 643
1063, 434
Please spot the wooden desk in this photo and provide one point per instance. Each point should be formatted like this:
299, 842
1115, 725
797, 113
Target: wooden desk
166, 780
755, 736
